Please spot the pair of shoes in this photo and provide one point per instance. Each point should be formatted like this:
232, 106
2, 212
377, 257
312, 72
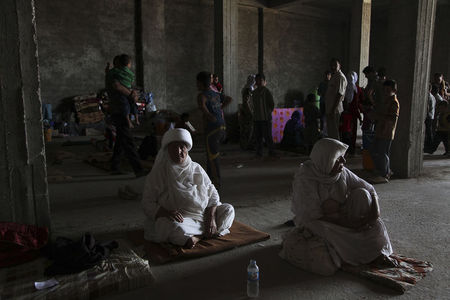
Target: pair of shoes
141, 173
378, 180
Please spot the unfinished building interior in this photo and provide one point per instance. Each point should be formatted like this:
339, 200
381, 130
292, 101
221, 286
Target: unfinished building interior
55, 159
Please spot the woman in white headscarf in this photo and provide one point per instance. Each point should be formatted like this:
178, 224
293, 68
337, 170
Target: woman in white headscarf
334, 204
179, 200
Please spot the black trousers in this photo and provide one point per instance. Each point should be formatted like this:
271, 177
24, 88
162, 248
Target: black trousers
214, 138
429, 134
263, 132
124, 145
440, 136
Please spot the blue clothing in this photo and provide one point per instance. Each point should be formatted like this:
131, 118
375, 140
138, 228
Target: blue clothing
214, 102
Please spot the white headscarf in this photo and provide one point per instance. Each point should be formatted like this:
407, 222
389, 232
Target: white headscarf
186, 185
351, 89
250, 82
323, 157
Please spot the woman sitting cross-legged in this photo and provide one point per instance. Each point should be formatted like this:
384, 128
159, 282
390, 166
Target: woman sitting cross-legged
337, 215
179, 200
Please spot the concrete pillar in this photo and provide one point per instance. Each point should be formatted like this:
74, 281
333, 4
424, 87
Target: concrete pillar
260, 40
23, 175
154, 50
360, 38
225, 48
409, 44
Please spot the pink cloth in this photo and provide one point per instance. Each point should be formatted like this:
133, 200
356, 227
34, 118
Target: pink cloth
280, 116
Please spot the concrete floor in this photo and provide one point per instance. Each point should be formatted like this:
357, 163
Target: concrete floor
416, 212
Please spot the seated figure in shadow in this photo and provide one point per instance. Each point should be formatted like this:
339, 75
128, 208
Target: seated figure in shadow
180, 202
337, 215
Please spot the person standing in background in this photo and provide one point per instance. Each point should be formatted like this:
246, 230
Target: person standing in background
334, 97
263, 106
211, 104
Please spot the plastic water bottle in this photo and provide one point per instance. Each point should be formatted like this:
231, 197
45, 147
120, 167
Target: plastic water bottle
252, 279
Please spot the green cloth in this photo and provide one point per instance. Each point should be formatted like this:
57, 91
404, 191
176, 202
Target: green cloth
122, 74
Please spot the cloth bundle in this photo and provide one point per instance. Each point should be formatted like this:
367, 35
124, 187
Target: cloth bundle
73, 257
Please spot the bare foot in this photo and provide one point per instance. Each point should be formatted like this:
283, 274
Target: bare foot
386, 261
190, 243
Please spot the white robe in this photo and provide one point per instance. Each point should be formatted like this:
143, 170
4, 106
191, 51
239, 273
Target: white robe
187, 189
346, 244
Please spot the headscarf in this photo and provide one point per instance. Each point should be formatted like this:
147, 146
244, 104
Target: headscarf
323, 157
250, 83
351, 89
184, 183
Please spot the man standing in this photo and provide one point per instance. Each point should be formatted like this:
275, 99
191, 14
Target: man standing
429, 120
263, 106
211, 103
333, 98
386, 120
120, 109
322, 90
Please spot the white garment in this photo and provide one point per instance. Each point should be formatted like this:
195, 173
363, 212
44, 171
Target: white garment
183, 187
336, 85
166, 230
312, 186
351, 89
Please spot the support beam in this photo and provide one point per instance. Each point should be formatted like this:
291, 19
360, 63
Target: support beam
225, 48
139, 59
278, 4
410, 39
23, 174
360, 38
260, 40
154, 50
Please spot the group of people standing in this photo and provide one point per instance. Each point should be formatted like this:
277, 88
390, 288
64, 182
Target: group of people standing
343, 102
437, 120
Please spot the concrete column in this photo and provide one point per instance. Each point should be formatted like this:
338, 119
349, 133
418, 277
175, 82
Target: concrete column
360, 38
260, 40
154, 50
23, 175
409, 44
225, 48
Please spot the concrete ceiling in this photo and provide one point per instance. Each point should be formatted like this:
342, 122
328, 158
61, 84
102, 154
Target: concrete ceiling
339, 6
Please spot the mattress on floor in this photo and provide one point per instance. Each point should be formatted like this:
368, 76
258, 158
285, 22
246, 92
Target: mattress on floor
122, 271
240, 234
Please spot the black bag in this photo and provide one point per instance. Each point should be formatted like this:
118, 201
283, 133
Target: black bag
73, 257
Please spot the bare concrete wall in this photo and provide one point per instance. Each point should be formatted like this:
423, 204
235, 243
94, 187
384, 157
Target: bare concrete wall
189, 49
297, 50
76, 39
247, 44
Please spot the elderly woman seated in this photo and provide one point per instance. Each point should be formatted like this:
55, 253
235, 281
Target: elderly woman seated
336, 213
179, 200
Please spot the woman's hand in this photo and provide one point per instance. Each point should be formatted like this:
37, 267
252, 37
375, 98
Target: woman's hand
174, 215
210, 222
210, 228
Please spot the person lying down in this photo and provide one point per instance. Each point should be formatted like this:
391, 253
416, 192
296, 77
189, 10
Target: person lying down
179, 200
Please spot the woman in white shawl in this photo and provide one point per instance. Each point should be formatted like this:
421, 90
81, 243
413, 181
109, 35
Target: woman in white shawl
335, 205
179, 200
